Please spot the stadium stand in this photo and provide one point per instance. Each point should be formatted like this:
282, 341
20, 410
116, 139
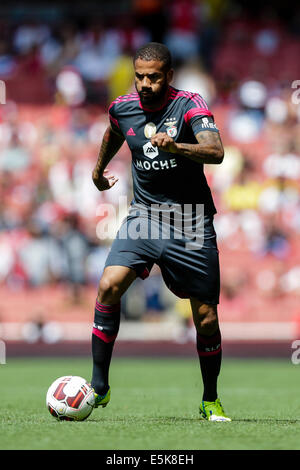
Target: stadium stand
60, 78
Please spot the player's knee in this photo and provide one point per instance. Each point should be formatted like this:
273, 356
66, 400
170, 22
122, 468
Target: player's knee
109, 290
206, 320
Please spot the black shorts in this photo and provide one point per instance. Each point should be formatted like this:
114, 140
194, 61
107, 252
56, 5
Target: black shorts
186, 272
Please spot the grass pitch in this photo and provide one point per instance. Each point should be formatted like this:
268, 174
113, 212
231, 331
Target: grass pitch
154, 406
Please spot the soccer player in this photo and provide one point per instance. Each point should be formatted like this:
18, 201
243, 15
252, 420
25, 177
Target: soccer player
171, 134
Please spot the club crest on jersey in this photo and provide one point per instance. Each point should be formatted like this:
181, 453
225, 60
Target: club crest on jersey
150, 151
172, 129
150, 130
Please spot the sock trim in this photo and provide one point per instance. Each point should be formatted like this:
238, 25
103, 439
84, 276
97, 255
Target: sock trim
100, 334
107, 308
209, 345
209, 353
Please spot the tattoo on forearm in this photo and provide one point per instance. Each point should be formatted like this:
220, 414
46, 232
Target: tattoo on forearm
111, 143
209, 148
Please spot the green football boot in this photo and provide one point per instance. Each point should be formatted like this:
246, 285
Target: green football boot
102, 400
213, 411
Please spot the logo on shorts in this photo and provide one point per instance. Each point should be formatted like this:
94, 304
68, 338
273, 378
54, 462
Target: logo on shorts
150, 151
150, 130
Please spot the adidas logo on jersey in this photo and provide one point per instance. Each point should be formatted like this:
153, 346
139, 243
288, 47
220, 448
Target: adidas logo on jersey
130, 132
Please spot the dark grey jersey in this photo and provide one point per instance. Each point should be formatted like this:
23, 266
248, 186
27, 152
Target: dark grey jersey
161, 177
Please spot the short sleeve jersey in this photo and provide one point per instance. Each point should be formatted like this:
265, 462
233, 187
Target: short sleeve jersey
161, 177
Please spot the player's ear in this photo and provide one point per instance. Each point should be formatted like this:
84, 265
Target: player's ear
170, 75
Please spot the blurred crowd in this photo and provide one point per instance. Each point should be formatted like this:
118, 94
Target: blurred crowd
60, 80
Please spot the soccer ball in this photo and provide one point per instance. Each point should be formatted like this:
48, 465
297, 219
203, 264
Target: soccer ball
70, 398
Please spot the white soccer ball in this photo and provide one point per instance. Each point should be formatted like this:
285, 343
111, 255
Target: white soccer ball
70, 398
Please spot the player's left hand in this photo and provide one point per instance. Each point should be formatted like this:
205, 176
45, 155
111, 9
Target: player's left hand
164, 142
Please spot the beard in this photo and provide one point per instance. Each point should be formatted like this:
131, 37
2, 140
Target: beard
148, 98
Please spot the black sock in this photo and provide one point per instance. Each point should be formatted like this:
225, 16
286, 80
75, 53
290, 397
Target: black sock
102, 353
210, 357
106, 326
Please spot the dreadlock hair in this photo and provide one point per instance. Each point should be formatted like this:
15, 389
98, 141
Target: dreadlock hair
155, 51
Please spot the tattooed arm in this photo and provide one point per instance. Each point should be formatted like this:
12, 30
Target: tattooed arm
209, 148
111, 143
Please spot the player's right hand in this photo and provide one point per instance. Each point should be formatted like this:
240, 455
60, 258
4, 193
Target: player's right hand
106, 181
